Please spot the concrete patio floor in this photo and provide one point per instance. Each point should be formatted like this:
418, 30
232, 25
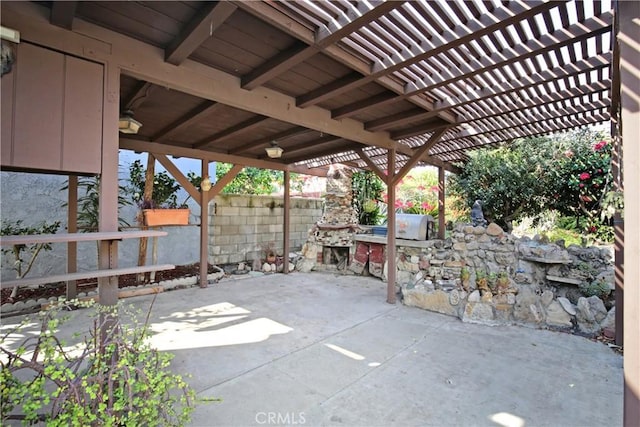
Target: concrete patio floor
321, 349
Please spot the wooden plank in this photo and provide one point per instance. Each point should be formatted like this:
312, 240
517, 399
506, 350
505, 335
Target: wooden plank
84, 275
78, 237
121, 295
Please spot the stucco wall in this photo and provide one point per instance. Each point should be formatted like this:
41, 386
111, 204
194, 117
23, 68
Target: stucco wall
34, 198
241, 225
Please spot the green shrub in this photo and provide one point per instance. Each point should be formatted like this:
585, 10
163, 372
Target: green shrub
112, 378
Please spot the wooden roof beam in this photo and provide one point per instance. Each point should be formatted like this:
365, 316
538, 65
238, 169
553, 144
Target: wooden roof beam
63, 13
200, 28
484, 25
289, 133
138, 97
232, 131
421, 151
185, 121
554, 41
325, 37
420, 129
311, 144
369, 162
329, 152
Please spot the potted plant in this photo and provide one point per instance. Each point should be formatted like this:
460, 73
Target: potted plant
163, 208
269, 251
482, 281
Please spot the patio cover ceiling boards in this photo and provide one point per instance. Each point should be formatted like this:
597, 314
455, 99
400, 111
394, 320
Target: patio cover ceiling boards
361, 75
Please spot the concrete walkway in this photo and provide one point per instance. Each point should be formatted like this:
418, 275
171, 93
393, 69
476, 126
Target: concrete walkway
320, 349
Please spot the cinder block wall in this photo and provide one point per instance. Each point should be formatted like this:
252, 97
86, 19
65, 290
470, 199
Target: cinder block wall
241, 225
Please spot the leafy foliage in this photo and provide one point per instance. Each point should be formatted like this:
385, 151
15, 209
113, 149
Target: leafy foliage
24, 255
417, 193
568, 173
367, 189
165, 188
119, 380
89, 203
250, 180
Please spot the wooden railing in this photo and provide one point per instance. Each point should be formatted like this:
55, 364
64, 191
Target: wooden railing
111, 236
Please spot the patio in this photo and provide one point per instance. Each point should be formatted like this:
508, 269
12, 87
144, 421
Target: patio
321, 349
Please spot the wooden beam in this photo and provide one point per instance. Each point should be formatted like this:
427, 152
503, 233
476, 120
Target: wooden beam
233, 131
420, 129
325, 153
441, 206
391, 228
343, 84
417, 156
138, 97
204, 227
628, 34
278, 64
372, 166
72, 227
224, 180
62, 13
362, 105
178, 175
201, 27
311, 144
289, 133
185, 121
286, 222
172, 150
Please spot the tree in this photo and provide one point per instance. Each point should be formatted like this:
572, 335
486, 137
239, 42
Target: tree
367, 189
568, 172
250, 180
508, 181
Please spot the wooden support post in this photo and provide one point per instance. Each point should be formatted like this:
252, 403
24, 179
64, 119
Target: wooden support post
108, 198
441, 207
391, 228
72, 227
204, 228
286, 228
147, 197
627, 37
618, 230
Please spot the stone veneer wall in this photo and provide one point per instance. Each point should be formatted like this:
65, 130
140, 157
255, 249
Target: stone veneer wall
545, 280
239, 225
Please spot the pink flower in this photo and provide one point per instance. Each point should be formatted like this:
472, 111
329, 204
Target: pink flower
426, 206
434, 188
409, 204
581, 185
568, 153
584, 175
600, 145
421, 187
398, 204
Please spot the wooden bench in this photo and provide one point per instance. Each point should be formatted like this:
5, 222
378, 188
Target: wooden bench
81, 237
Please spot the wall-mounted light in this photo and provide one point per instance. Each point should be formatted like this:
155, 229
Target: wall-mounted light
274, 151
205, 184
127, 124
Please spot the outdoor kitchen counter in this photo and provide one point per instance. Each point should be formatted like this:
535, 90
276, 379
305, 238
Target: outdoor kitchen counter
369, 238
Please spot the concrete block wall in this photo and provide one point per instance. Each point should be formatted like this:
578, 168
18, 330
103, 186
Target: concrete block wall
241, 225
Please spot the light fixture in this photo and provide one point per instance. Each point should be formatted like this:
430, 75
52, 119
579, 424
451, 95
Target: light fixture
205, 184
275, 152
127, 124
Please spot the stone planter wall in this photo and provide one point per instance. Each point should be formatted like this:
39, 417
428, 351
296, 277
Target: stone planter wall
548, 285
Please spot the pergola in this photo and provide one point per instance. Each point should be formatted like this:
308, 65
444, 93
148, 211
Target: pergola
378, 85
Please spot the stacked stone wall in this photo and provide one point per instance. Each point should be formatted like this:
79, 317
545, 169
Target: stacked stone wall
543, 284
241, 226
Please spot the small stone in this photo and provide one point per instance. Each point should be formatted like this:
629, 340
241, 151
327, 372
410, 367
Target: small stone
590, 312
511, 299
567, 306
494, 230
486, 297
609, 322
474, 296
454, 297
266, 267
414, 259
558, 316
478, 313
546, 298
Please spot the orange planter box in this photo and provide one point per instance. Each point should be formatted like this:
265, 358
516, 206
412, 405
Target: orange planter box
154, 217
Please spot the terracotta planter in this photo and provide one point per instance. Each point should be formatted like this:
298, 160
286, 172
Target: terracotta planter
156, 217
